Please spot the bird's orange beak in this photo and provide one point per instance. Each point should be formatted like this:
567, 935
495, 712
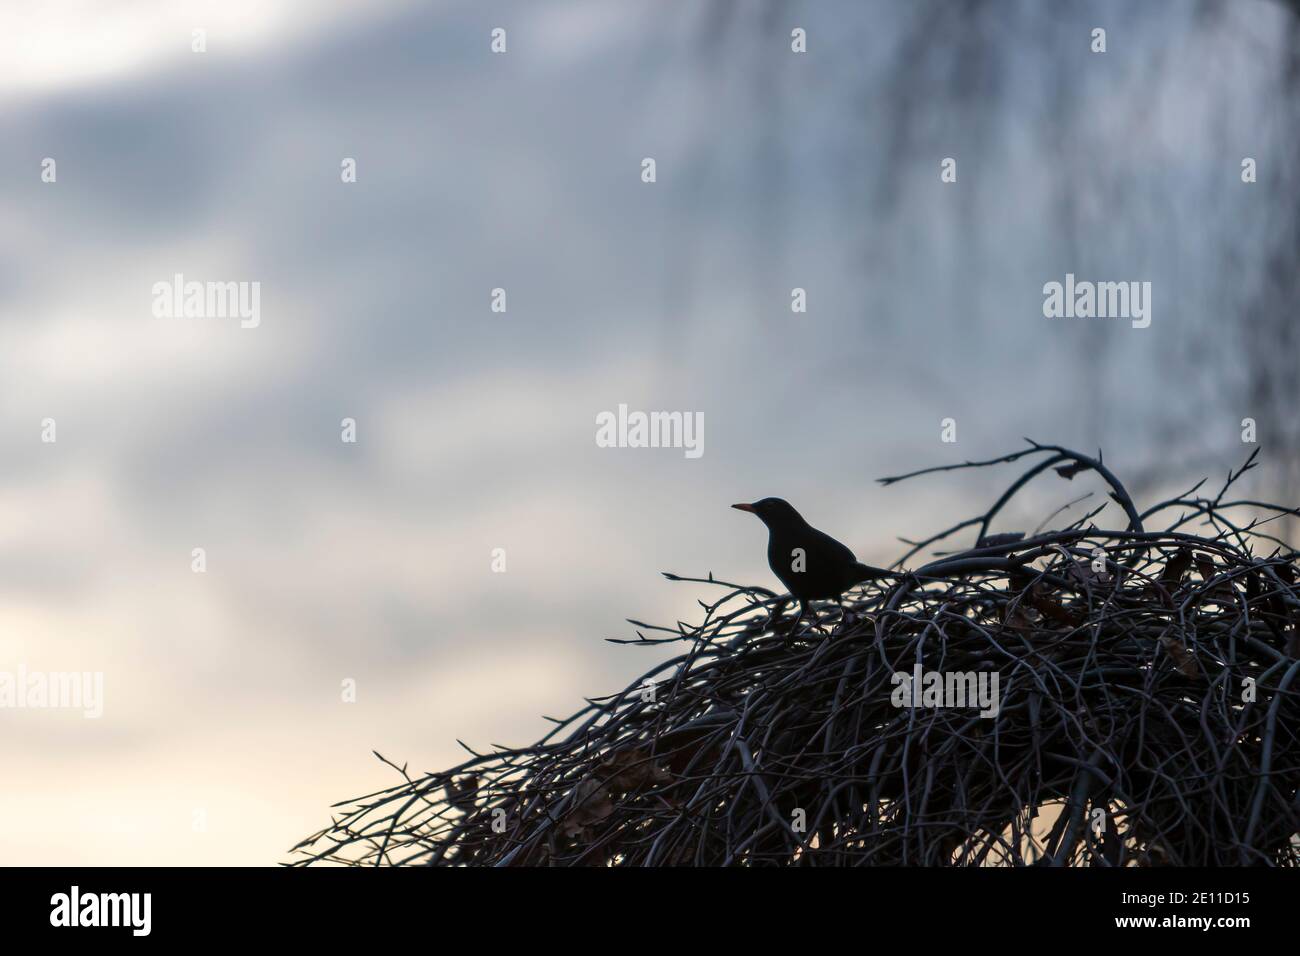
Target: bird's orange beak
749, 508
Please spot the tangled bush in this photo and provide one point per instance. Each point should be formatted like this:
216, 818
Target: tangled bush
1147, 716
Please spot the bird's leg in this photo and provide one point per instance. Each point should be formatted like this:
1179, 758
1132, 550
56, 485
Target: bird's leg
774, 614
779, 625
805, 608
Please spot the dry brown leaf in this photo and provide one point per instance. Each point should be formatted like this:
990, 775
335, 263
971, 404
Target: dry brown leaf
1183, 660
1175, 568
1069, 471
462, 793
591, 804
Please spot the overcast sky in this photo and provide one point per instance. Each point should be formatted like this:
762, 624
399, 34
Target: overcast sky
224, 737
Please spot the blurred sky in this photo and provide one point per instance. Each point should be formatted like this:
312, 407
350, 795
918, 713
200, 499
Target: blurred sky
371, 561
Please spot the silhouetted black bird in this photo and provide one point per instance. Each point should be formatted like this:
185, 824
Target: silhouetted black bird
811, 564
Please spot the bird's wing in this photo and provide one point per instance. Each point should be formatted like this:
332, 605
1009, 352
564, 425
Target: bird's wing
826, 548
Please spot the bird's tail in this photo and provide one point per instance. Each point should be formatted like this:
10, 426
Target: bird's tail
866, 572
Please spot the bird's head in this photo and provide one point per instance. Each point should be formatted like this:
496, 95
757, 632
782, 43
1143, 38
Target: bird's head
772, 511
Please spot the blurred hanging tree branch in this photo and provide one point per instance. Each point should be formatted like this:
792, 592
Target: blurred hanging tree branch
936, 76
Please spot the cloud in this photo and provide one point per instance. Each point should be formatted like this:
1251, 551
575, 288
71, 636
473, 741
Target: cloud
476, 429
47, 47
